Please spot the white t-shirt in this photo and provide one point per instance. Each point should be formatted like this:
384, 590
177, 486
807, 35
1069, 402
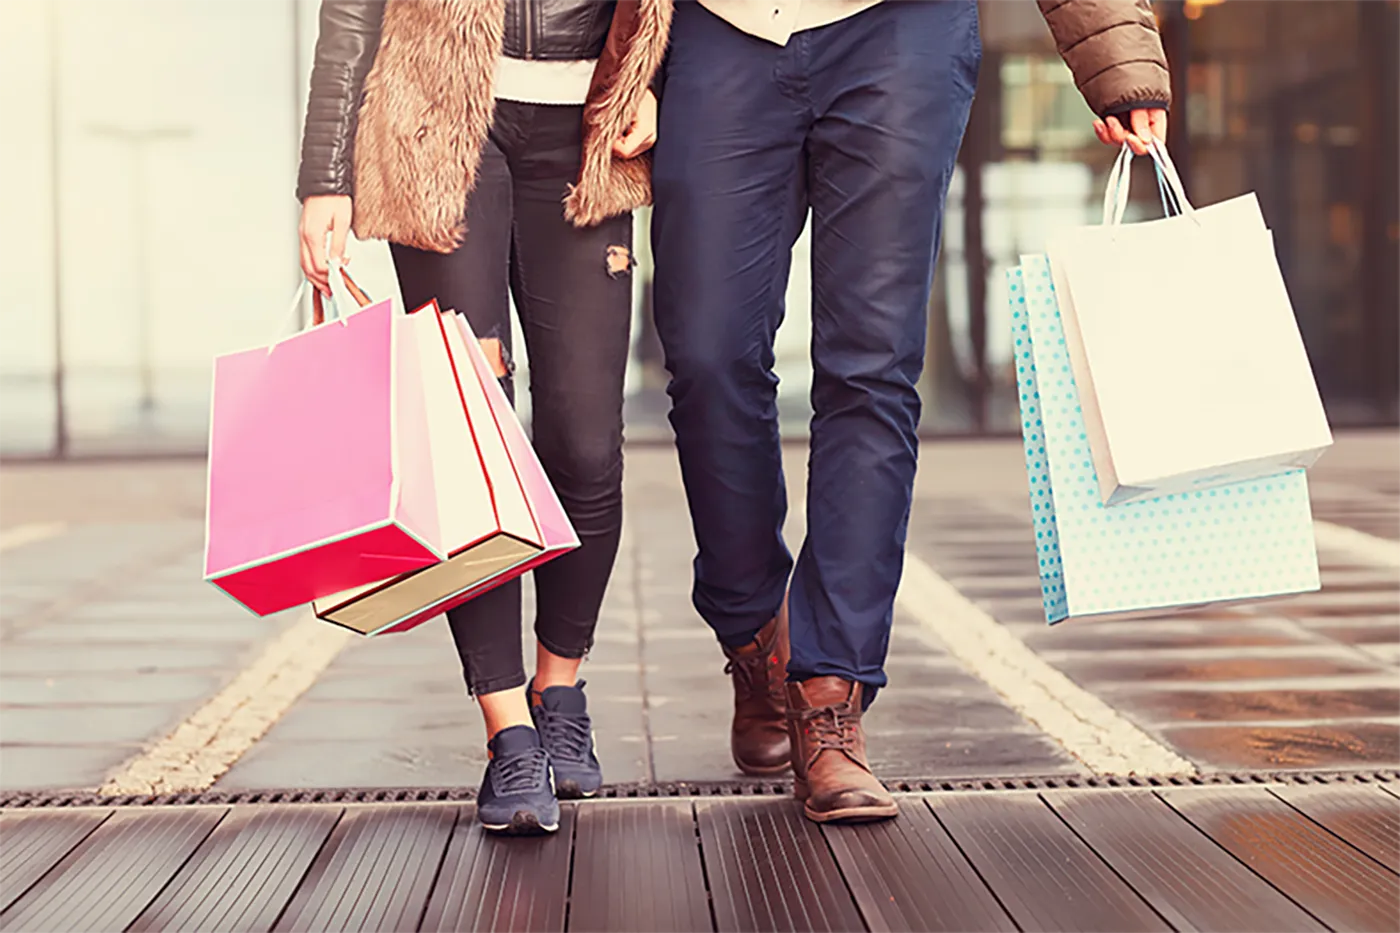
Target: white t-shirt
543, 82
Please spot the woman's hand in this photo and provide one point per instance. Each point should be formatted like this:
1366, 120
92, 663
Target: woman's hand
322, 214
1146, 125
642, 135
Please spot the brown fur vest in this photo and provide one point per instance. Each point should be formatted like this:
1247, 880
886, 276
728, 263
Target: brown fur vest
428, 106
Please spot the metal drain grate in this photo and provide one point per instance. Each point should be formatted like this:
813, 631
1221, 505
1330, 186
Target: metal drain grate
30, 799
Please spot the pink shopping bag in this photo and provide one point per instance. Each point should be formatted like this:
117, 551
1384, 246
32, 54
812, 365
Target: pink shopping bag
500, 515
320, 471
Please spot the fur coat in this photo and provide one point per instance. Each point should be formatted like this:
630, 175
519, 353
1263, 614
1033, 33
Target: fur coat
427, 108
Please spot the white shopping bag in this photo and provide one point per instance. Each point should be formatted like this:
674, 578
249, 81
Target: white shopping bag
500, 517
1191, 370
1243, 541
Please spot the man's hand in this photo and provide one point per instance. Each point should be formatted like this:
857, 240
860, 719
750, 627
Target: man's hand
1146, 125
322, 214
642, 135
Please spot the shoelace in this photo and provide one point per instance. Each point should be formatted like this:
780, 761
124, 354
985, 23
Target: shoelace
830, 727
520, 774
569, 738
753, 677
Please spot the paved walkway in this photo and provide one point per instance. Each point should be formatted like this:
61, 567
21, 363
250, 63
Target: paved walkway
110, 645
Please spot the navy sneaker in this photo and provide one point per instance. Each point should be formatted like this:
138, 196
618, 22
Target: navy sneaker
561, 716
517, 792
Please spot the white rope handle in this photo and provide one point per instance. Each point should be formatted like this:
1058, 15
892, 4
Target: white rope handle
290, 322
1115, 198
344, 302
1116, 191
1158, 150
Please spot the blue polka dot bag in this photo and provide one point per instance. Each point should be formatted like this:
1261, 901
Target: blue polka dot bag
1251, 540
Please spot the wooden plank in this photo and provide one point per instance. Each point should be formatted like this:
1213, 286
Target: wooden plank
376, 870
1043, 874
245, 873
1190, 881
488, 883
1326, 877
33, 843
637, 869
908, 875
771, 870
110, 878
1362, 814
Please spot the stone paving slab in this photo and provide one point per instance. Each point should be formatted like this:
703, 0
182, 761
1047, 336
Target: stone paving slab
659, 697
1279, 683
108, 638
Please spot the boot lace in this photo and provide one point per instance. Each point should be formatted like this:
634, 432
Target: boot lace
520, 774
752, 674
568, 738
830, 728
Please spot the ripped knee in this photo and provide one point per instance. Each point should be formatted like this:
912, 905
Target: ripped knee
495, 355
619, 260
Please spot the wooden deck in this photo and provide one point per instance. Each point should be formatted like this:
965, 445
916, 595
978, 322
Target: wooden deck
1279, 857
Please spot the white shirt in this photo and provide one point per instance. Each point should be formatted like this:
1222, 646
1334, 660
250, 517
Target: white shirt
532, 81
777, 20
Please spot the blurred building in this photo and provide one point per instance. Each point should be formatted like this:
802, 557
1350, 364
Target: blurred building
154, 143
1293, 99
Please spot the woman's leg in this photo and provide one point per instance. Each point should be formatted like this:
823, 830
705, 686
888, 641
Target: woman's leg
573, 292
516, 793
474, 281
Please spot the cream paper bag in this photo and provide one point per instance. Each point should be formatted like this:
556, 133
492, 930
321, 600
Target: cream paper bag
1182, 340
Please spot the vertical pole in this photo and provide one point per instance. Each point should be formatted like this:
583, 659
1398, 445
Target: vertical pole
1379, 193
978, 149
144, 333
1176, 41
60, 446
297, 88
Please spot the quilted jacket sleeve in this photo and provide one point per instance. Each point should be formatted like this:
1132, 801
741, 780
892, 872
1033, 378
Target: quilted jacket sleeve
345, 49
1114, 50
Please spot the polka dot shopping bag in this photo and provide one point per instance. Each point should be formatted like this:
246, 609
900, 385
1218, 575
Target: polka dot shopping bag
1249, 540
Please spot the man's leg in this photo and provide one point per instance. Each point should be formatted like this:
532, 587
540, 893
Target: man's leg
892, 87
728, 178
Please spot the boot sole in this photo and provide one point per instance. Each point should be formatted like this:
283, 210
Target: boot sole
871, 814
763, 771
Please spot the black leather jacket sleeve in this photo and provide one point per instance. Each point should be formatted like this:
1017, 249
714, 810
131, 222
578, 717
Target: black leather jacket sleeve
345, 49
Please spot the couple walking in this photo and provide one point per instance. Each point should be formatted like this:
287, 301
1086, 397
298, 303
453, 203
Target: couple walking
499, 146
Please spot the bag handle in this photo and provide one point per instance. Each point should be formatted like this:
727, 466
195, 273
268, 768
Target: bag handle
1115, 198
318, 311
357, 294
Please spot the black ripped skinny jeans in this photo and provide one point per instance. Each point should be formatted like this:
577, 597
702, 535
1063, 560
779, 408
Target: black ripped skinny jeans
573, 293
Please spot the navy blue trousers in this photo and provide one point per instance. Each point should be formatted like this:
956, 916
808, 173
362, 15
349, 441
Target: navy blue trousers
859, 122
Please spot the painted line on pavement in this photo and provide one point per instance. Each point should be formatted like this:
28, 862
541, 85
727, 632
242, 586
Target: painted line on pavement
28, 534
1087, 727
1366, 548
204, 746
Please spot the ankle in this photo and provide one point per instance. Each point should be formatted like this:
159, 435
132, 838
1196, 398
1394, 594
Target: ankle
552, 670
503, 710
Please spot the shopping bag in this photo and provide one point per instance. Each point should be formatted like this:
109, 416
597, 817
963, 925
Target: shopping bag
1183, 341
503, 520
1242, 541
320, 472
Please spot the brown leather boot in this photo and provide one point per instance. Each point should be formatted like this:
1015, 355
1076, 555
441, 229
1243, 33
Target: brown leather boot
832, 776
758, 738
